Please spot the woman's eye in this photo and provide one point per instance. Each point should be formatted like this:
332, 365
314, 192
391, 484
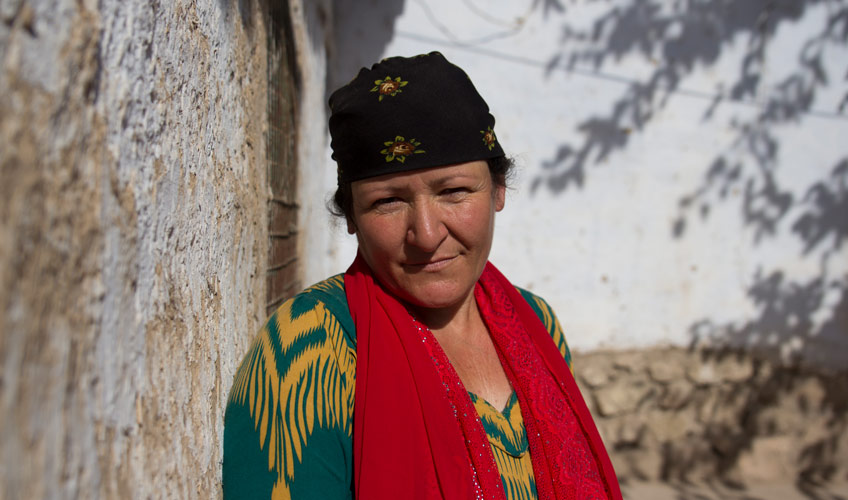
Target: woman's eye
454, 191
386, 201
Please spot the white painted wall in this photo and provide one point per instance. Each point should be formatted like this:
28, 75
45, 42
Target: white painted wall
311, 22
756, 258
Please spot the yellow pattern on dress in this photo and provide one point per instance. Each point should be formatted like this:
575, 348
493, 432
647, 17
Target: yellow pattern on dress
552, 325
505, 433
515, 473
313, 351
276, 401
505, 428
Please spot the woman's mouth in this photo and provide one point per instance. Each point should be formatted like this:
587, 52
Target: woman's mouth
431, 265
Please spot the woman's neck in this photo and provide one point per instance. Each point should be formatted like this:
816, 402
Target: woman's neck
460, 317
464, 338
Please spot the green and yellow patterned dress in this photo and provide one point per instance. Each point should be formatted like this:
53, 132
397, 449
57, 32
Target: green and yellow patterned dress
289, 420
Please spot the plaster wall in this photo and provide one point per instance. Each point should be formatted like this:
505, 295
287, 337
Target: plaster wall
312, 25
133, 240
682, 168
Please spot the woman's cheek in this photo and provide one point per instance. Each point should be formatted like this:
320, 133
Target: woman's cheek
471, 214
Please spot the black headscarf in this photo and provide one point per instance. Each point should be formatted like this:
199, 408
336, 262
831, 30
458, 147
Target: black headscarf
406, 114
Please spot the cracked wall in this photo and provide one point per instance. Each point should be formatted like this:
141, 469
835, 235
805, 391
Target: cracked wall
133, 240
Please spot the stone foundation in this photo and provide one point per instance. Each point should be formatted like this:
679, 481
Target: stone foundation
673, 414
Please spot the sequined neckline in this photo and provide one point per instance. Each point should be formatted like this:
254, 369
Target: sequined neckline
481, 459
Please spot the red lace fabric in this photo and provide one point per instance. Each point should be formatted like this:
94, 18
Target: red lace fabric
569, 459
416, 431
481, 462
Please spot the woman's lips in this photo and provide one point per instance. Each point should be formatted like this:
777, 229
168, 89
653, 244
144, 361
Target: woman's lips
431, 265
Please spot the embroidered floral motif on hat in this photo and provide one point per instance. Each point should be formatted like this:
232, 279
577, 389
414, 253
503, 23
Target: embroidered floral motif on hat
388, 86
400, 148
489, 137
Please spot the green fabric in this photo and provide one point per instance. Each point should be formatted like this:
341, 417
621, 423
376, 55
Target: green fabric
289, 418
508, 439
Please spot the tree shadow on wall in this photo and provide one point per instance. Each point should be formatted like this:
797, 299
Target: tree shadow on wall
794, 318
680, 37
677, 38
786, 308
788, 325
767, 410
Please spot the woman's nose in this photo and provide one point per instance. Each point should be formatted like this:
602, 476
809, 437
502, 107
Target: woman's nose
426, 227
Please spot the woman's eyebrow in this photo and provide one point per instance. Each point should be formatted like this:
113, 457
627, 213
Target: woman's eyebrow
451, 178
382, 191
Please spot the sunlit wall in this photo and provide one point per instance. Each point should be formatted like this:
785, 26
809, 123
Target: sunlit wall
683, 165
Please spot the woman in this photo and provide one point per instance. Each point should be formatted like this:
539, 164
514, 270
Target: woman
421, 372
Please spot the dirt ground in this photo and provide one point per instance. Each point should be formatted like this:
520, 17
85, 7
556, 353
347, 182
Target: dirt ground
662, 491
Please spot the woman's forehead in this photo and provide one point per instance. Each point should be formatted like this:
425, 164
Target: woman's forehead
425, 176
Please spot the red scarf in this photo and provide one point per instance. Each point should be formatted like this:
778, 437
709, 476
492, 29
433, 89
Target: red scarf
416, 433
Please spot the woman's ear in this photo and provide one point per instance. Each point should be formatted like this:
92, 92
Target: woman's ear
500, 197
351, 227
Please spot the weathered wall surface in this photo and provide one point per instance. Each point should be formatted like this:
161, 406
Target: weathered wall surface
132, 240
312, 22
681, 194
682, 167
680, 415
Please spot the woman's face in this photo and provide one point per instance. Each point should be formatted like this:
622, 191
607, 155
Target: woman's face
426, 234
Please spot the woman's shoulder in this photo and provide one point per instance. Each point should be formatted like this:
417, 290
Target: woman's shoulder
329, 293
546, 314
539, 305
292, 400
318, 313
323, 303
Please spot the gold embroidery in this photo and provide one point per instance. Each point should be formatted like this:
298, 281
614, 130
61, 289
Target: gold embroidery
400, 148
388, 86
489, 137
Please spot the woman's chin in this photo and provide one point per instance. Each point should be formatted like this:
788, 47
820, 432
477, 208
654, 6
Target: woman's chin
435, 296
